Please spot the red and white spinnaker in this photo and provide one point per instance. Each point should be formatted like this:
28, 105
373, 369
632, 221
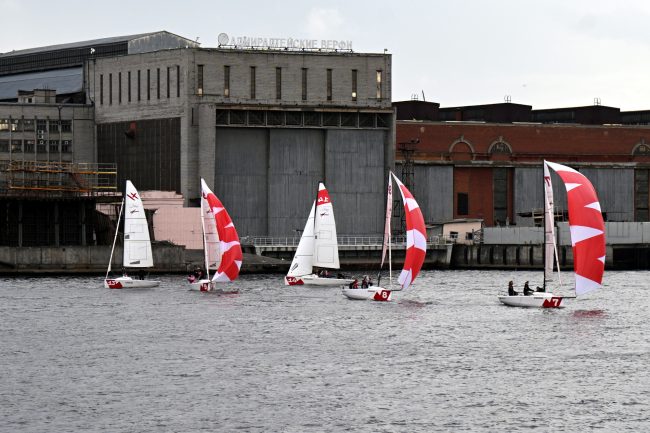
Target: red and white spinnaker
229, 248
416, 245
587, 229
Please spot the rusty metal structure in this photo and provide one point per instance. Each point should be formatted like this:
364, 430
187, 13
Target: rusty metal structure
21, 178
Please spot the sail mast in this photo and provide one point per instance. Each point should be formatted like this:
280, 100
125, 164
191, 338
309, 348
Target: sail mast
117, 230
205, 241
386, 244
314, 231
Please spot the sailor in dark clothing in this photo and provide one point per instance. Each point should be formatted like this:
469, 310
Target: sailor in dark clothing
511, 289
527, 290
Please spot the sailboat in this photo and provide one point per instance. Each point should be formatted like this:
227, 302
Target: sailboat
318, 247
587, 230
137, 245
416, 247
221, 248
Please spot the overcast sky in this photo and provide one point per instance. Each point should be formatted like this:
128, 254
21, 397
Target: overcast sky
551, 53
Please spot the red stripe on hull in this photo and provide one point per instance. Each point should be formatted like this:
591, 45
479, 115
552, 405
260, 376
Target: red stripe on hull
382, 296
553, 302
293, 281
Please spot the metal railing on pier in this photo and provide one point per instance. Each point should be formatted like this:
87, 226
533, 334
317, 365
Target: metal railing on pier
371, 241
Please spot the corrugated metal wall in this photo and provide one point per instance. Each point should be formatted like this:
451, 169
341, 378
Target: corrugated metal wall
241, 182
615, 189
529, 193
355, 179
268, 178
434, 191
149, 156
296, 165
433, 188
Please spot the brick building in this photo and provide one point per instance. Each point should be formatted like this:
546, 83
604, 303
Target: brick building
485, 161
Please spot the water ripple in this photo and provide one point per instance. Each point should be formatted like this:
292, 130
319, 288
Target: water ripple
446, 357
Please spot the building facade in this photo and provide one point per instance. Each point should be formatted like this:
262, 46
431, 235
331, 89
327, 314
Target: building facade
50, 180
262, 127
470, 167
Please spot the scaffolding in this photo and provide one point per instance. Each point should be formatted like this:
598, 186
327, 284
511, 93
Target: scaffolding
56, 178
406, 150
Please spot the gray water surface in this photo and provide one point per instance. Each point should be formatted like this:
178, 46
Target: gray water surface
77, 357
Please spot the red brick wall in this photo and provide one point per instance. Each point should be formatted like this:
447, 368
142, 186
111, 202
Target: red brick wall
529, 143
477, 183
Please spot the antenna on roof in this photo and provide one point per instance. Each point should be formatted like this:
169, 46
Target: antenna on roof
414, 96
596, 101
423, 98
507, 99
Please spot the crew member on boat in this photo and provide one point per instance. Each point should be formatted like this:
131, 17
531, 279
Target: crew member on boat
511, 289
527, 290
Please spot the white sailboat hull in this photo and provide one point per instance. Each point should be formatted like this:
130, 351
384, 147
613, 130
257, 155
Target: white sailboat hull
211, 286
316, 281
370, 294
536, 300
125, 282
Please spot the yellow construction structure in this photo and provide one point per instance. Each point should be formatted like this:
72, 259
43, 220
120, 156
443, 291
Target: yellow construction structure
18, 177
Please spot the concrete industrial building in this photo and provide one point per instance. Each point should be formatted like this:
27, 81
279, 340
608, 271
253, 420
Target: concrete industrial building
264, 125
261, 125
48, 143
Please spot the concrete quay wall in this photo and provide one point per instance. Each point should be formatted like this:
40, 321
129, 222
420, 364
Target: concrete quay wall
169, 258
509, 256
176, 259
83, 259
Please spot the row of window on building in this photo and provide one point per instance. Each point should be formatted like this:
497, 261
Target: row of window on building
304, 79
39, 126
200, 89
302, 118
35, 146
139, 93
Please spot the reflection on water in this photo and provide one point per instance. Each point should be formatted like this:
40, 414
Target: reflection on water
589, 313
447, 357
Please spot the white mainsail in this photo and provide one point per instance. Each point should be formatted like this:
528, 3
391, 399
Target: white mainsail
211, 248
550, 245
137, 246
326, 249
549, 227
303, 260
